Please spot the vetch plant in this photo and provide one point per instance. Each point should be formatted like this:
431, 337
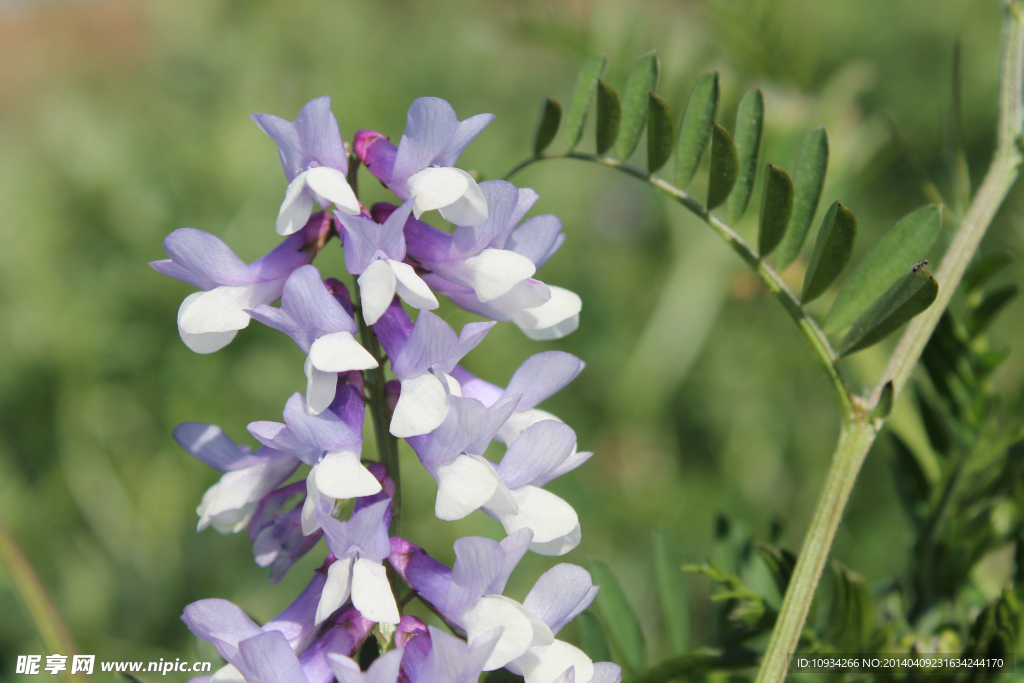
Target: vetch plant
486, 263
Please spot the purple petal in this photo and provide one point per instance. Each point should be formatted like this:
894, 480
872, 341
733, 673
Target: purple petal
270, 659
542, 375
464, 134
430, 125
393, 233
568, 465
171, 269
471, 335
296, 621
362, 241
376, 152
540, 449
278, 319
366, 531
497, 416
296, 250
431, 341
277, 436
514, 546
286, 138
208, 257
424, 574
393, 329
318, 134
325, 431
478, 562
423, 241
384, 669
606, 672
502, 198
348, 401
220, 622
537, 239
211, 445
271, 505
461, 427
560, 594
474, 387
307, 301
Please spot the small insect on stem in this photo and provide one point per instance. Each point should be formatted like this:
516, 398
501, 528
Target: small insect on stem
919, 266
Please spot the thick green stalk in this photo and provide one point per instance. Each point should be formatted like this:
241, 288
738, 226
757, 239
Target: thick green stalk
37, 603
815, 336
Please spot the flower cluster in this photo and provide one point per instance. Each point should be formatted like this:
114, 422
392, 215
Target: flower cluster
485, 264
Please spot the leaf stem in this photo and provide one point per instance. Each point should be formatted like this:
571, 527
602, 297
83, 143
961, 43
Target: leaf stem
37, 603
815, 336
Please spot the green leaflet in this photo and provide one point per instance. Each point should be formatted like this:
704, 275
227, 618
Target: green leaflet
851, 619
675, 604
912, 485
983, 269
724, 166
749, 124
660, 132
832, 251
593, 640
907, 242
621, 624
807, 183
547, 125
642, 80
582, 97
780, 563
908, 296
608, 114
695, 127
989, 307
776, 208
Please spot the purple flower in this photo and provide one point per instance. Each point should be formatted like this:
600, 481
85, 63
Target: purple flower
229, 504
384, 669
452, 660
361, 544
421, 167
423, 366
375, 253
276, 533
208, 320
330, 442
322, 328
314, 160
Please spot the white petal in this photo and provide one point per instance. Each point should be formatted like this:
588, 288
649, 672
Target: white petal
491, 273
519, 422
545, 664
313, 494
376, 290
341, 475
320, 388
527, 294
454, 388
469, 209
371, 592
207, 342
227, 674
546, 514
295, 208
437, 187
223, 309
464, 484
411, 287
331, 187
521, 628
559, 546
228, 505
336, 589
339, 352
555, 319
422, 407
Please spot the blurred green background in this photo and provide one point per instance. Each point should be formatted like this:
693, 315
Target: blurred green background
122, 120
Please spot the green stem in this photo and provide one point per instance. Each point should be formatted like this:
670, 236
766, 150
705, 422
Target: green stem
815, 336
694, 665
37, 603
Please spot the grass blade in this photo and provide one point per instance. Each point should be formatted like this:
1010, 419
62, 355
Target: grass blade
621, 624
808, 181
749, 125
675, 603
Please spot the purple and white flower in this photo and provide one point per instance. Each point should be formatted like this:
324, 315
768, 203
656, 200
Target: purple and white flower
322, 328
376, 253
421, 168
210, 319
315, 163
